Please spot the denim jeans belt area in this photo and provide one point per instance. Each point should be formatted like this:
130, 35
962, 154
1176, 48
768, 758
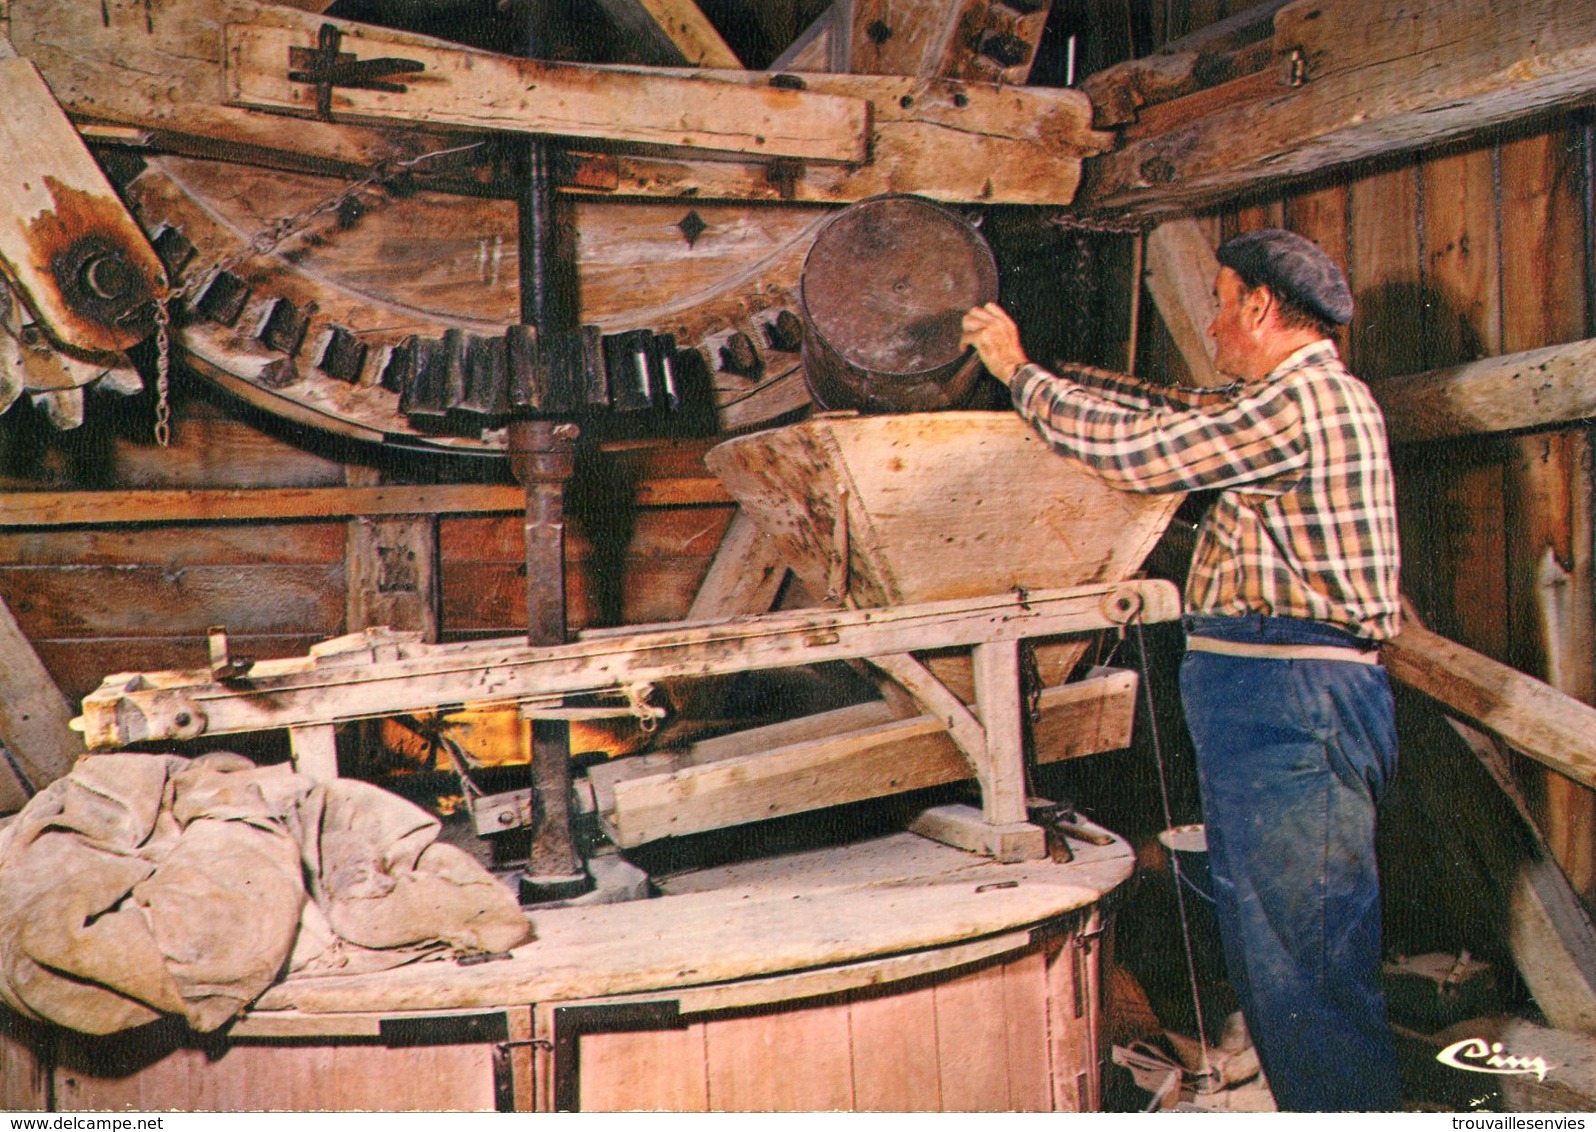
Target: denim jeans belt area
1282, 651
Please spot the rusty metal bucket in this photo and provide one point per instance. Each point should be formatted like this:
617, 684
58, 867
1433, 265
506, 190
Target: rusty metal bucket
883, 291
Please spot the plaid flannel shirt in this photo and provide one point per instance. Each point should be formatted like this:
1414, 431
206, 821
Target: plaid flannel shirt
1306, 523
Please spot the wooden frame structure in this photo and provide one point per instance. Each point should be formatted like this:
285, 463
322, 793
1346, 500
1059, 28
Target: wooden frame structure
378, 672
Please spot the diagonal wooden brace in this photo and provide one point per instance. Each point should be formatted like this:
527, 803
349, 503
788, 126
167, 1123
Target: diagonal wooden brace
994, 744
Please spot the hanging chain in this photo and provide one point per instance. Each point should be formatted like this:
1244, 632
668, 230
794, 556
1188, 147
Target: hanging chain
1072, 223
263, 243
163, 375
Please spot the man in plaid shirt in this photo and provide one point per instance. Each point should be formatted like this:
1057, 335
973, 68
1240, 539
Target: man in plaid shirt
1293, 584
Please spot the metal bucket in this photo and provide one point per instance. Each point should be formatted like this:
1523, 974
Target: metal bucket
883, 292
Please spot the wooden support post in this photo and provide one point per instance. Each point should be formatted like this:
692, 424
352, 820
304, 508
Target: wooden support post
1181, 267
1552, 621
998, 698
812, 50
999, 829
315, 751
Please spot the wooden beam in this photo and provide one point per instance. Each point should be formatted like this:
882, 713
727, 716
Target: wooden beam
80, 260
1180, 268
965, 39
1380, 77
1212, 55
368, 674
671, 32
938, 138
478, 90
1527, 714
812, 50
773, 772
952, 141
743, 577
211, 505
1126, 93
111, 64
33, 716
1548, 930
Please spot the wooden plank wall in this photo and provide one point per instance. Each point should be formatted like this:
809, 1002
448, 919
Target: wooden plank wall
1469, 253
97, 600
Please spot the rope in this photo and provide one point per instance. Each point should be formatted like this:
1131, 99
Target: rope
1174, 868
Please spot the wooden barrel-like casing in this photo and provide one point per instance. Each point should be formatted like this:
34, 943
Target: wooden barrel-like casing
931, 979
884, 289
1014, 1032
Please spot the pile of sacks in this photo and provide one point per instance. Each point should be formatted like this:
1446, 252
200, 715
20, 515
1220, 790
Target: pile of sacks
146, 885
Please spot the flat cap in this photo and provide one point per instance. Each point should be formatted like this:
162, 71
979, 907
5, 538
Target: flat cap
1291, 266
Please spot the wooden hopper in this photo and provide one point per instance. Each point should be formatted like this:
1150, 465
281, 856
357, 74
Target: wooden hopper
931, 506
937, 505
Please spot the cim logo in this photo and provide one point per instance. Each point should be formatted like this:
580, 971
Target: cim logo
1476, 1055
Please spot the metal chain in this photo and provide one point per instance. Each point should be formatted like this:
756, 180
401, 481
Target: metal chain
1073, 223
163, 375
264, 243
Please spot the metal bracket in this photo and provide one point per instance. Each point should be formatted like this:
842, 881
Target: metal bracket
326, 67
223, 666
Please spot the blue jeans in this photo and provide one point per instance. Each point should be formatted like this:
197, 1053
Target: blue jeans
1293, 757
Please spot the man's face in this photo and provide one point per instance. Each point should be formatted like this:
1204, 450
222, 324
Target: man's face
1234, 328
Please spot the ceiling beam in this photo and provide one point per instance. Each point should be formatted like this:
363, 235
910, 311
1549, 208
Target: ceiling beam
461, 87
1377, 77
963, 39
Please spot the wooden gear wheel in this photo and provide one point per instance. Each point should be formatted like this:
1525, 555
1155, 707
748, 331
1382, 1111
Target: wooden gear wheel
707, 253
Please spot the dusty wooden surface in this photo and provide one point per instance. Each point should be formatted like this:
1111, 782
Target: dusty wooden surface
835, 906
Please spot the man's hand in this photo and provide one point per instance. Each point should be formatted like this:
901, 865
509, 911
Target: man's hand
995, 337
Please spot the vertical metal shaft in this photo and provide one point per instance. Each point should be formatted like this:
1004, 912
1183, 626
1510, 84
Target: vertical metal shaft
542, 457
